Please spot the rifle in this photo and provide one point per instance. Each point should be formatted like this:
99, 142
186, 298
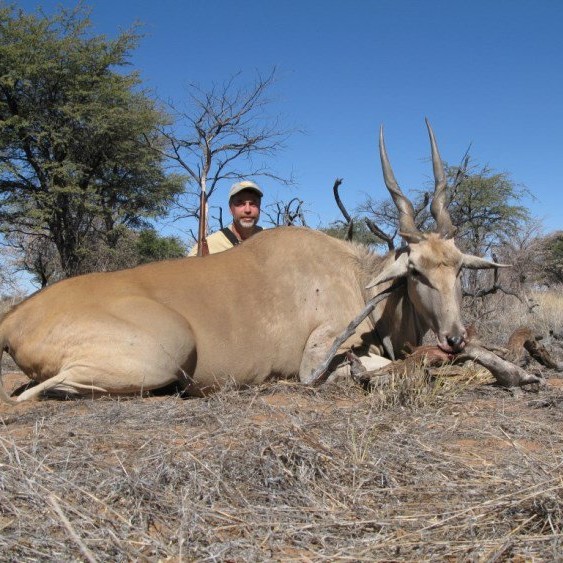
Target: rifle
202, 248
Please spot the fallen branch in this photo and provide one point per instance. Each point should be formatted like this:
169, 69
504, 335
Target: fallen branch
501, 362
541, 355
506, 373
522, 340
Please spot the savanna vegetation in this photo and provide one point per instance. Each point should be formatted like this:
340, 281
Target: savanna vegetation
439, 464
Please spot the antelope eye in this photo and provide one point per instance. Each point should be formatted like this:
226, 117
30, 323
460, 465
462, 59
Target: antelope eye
418, 277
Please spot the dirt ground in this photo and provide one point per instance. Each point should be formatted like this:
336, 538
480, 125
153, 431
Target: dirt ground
451, 470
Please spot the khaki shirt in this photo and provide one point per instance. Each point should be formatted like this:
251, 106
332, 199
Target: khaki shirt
217, 242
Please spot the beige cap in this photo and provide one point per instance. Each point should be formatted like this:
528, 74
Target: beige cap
244, 185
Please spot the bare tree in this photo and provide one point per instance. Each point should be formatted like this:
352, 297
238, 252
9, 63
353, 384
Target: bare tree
351, 224
36, 254
286, 213
219, 136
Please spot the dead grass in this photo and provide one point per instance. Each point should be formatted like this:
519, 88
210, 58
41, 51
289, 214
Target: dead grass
501, 314
447, 469
550, 310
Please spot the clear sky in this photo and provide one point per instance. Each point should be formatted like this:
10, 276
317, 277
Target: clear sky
485, 72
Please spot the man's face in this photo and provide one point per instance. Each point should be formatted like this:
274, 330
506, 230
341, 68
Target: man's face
245, 209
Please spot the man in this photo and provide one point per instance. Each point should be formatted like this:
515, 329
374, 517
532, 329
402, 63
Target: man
244, 204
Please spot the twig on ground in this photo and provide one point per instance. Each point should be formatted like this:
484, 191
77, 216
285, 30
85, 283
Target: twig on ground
506, 373
75, 537
541, 355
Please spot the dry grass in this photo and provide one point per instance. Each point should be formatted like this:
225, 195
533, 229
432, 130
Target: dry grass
285, 472
498, 316
550, 310
450, 469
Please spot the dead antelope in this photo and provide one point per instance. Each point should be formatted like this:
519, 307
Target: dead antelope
270, 307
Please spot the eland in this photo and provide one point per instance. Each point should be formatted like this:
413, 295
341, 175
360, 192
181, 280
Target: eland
269, 308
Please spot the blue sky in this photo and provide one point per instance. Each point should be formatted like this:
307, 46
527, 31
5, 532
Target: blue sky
489, 73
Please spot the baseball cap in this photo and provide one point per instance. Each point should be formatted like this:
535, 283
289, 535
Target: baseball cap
244, 185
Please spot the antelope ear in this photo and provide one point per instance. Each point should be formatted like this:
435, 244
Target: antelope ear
396, 269
476, 263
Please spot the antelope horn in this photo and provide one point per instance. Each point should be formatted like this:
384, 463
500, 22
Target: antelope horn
438, 207
406, 210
